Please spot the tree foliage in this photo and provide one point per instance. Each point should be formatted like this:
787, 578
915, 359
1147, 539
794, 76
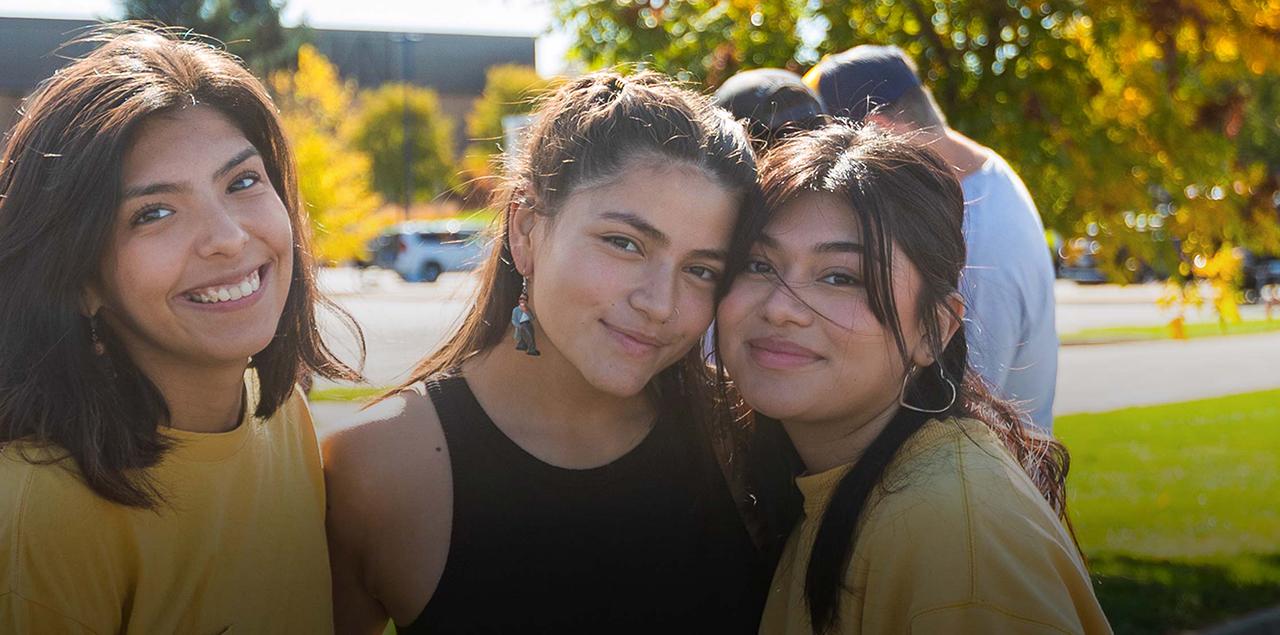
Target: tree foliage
1148, 124
379, 131
509, 89
332, 175
251, 29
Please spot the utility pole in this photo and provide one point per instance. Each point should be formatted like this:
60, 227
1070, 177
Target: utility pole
406, 72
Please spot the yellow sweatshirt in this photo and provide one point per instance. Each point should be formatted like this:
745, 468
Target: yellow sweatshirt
239, 546
956, 540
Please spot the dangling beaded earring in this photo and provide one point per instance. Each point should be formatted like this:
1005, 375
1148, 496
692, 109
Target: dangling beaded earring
99, 348
522, 320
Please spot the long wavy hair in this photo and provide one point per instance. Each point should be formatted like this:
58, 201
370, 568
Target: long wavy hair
584, 133
903, 197
60, 187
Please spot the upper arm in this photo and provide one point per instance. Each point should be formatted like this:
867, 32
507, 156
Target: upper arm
389, 513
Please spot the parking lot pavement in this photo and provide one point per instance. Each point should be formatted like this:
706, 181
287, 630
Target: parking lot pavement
404, 321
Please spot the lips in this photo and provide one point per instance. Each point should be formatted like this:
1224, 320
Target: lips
780, 354
230, 291
633, 342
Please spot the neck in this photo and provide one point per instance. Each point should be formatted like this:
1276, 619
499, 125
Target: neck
964, 155
200, 398
823, 445
549, 392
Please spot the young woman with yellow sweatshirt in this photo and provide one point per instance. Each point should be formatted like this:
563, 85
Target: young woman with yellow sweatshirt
158, 468
928, 507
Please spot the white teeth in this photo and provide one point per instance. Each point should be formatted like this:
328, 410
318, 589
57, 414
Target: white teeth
242, 289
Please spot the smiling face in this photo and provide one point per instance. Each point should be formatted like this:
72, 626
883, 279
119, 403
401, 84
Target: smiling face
812, 349
621, 279
200, 259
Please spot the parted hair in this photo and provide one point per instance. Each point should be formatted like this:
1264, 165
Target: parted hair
60, 187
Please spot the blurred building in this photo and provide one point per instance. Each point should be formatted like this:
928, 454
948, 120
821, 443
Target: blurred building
452, 64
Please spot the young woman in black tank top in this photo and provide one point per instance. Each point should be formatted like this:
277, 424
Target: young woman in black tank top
557, 466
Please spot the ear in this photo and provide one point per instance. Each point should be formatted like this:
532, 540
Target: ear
521, 222
90, 301
950, 316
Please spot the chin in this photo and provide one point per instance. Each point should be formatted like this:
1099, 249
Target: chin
619, 382
774, 401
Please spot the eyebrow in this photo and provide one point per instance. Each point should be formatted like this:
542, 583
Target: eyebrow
645, 227
168, 188
833, 247
838, 247
639, 224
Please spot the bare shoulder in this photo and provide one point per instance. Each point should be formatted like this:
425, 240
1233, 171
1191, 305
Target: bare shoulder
390, 492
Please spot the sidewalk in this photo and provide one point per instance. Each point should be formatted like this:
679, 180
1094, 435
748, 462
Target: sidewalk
1110, 376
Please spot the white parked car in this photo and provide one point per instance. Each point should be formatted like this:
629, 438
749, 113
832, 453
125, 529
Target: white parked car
425, 249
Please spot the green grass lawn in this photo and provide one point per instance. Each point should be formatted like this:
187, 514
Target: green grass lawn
347, 393
1193, 330
1178, 509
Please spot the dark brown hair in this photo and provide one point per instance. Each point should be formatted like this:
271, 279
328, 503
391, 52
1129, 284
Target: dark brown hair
582, 134
903, 198
60, 187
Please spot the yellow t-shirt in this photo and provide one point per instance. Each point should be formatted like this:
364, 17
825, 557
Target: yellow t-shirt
237, 547
957, 540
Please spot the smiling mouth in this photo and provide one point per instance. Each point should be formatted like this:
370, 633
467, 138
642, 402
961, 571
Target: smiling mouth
633, 343
246, 287
780, 356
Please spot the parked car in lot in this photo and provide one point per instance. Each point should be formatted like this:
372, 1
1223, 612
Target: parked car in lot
1261, 279
420, 251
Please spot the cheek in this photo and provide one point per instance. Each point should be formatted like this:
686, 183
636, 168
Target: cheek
137, 273
272, 226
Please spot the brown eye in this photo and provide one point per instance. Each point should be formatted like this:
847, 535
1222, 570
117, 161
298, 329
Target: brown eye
623, 243
840, 280
151, 215
244, 182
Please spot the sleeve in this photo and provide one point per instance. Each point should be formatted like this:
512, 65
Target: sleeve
21, 615
975, 617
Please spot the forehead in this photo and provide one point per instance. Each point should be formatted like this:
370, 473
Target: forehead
679, 199
174, 146
812, 218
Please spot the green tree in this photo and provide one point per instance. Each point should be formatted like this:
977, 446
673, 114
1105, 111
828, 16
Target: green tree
1149, 124
509, 89
380, 134
250, 28
333, 177
694, 40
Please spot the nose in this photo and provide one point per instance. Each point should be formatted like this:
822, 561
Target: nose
782, 306
224, 232
655, 296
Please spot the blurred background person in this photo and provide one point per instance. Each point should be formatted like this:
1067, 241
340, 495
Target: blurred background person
774, 102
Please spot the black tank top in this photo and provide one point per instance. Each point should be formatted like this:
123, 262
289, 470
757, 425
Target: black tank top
647, 543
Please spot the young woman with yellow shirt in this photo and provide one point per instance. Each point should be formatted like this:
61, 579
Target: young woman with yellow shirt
928, 507
158, 468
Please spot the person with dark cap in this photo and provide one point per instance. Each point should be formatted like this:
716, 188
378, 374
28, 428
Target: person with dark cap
1008, 279
773, 101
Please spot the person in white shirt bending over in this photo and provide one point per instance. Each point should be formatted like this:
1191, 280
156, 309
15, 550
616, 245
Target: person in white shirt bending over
1008, 278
